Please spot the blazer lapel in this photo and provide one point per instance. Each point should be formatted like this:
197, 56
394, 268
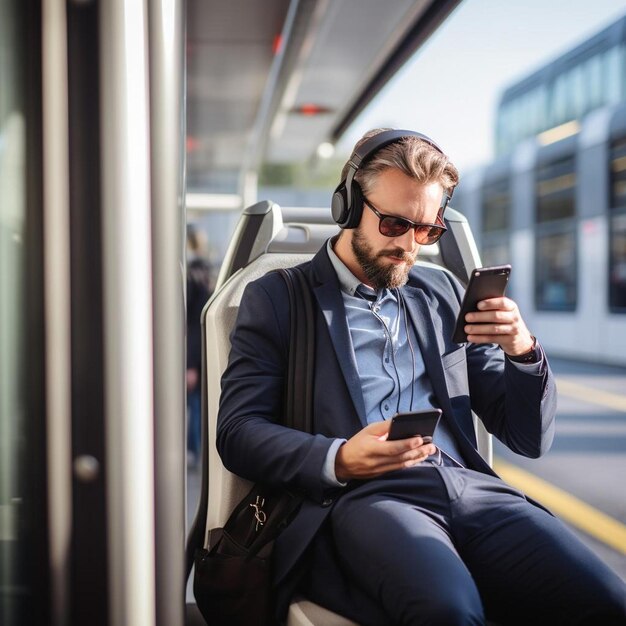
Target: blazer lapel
328, 294
331, 303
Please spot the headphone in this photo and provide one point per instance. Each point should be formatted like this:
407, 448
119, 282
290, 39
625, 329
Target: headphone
347, 201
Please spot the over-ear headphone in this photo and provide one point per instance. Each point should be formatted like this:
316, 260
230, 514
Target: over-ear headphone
347, 201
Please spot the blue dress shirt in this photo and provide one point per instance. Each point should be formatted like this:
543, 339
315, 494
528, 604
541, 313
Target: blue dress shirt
390, 365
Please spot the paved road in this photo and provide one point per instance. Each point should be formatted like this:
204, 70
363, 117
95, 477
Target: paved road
588, 456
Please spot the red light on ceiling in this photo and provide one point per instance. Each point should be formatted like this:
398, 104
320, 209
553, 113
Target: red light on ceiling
277, 44
192, 144
309, 109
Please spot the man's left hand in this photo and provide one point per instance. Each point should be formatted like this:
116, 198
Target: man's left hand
498, 320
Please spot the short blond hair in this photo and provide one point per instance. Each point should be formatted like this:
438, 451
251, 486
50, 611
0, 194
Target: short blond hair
413, 156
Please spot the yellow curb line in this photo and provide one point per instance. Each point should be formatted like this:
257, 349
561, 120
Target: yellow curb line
589, 394
584, 517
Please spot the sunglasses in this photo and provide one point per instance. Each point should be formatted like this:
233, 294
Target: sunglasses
425, 234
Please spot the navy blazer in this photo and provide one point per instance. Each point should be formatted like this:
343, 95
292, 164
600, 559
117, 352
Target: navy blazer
517, 407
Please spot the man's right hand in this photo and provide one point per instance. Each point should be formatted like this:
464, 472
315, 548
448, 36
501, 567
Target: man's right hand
368, 453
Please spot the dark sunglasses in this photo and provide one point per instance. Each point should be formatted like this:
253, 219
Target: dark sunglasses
425, 234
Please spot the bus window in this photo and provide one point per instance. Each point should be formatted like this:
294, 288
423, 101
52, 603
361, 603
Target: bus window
617, 228
555, 256
496, 218
23, 555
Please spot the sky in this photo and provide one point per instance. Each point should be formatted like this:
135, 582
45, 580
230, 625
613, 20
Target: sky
449, 90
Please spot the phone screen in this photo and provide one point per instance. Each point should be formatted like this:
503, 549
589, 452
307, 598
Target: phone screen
484, 283
411, 424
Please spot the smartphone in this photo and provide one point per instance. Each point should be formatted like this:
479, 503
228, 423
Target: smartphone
423, 423
484, 283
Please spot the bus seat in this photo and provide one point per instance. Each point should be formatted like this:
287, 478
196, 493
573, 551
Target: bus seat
225, 488
303, 612
263, 242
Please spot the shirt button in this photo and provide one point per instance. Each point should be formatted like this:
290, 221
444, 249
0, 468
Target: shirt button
327, 502
386, 407
386, 359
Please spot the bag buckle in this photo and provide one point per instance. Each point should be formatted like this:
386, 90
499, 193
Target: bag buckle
259, 513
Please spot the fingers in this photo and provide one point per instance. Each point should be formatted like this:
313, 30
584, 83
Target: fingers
367, 454
501, 303
409, 458
491, 332
417, 455
494, 317
406, 451
490, 329
497, 321
506, 313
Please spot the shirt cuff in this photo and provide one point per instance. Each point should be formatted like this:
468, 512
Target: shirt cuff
328, 470
529, 368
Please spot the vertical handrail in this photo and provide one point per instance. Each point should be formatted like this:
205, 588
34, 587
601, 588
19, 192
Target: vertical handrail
128, 306
166, 45
56, 267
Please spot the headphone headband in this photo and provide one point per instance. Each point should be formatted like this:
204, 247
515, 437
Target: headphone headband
347, 201
379, 141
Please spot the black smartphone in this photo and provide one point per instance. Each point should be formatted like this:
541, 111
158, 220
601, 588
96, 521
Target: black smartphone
484, 283
423, 423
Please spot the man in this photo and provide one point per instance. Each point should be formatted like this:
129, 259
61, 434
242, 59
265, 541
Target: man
405, 532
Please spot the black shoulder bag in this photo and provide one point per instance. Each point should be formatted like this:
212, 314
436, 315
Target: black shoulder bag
232, 582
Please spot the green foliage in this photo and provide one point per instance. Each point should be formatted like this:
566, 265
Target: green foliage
277, 174
323, 174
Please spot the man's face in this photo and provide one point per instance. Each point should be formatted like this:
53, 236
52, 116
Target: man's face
386, 261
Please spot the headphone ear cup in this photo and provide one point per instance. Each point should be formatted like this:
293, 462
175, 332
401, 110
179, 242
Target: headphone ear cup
339, 205
355, 210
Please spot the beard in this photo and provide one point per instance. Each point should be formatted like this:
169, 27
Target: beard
380, 274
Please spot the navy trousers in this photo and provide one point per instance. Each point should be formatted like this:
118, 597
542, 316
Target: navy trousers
439, 545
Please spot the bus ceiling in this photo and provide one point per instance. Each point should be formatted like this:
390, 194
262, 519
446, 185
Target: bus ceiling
271, 81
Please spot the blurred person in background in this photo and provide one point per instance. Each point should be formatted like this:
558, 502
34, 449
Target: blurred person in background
199, 289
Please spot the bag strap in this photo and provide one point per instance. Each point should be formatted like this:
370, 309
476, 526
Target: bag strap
298, 410
298, 406
298, 401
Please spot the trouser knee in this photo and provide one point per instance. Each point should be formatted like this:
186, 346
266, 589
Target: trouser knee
454, 616
457, 608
